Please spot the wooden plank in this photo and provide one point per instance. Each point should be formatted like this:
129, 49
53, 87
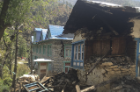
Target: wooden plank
118, 45
88, 50
122, 46
88, 89
100, 47
105, 47
43, 71
115, 46
42, 64
94, 48
77, 88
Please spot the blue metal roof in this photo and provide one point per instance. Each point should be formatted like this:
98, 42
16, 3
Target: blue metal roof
44, 33
38, 29
32, 38
62, 38
38, 35
55, 30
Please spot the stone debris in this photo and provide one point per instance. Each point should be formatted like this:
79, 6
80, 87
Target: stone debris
126, 84
62, 81
116, 60
70, 83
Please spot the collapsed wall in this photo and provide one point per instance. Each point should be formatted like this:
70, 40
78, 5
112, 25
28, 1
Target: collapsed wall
110, 68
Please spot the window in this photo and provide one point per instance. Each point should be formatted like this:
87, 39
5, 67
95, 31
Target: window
37, 49
44, 49
78, 54
75, 52
36, 57
67, 51
34, 49
49, 50
82, 51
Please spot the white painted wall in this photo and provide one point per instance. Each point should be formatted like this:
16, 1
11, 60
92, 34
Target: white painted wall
78, 36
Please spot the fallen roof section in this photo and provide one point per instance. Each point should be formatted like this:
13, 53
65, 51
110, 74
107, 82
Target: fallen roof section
94, 14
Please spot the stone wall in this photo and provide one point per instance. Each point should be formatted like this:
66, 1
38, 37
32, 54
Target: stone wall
103, 72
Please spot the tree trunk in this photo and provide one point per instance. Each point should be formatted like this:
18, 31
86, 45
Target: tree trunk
10, 65
1, 68
15, 67
31, 58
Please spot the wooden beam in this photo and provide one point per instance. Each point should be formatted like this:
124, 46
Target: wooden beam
88, 89
77, 88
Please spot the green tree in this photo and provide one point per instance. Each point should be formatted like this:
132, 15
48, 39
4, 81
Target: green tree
12, 11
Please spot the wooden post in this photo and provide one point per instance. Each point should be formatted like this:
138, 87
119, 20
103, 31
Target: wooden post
88, 89
77, 88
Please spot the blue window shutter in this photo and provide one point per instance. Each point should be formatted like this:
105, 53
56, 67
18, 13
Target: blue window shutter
77, 61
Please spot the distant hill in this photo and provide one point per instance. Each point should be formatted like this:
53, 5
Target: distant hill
71, 1
134, 3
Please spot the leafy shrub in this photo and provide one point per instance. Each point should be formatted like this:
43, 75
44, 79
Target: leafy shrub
22, 69
3, 87
7, 80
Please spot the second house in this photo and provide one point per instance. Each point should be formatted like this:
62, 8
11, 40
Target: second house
53, 45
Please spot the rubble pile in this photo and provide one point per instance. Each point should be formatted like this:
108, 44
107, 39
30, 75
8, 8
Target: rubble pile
25, 79
63, 81
116, 60
126, 84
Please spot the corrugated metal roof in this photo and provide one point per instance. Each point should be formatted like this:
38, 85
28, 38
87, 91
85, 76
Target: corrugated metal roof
38, 29
38, 35
106, 4
44, 33
62, 38
55, 30
32, 38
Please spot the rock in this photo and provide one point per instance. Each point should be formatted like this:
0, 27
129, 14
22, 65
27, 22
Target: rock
107, 64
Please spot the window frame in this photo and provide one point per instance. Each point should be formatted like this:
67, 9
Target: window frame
76, 62
69, 50
40, 49
37, 49
49, 50
44, 49
137, 57
33, 48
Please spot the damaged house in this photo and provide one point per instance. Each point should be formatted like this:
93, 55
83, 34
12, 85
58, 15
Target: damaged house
103, 47
51, 50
